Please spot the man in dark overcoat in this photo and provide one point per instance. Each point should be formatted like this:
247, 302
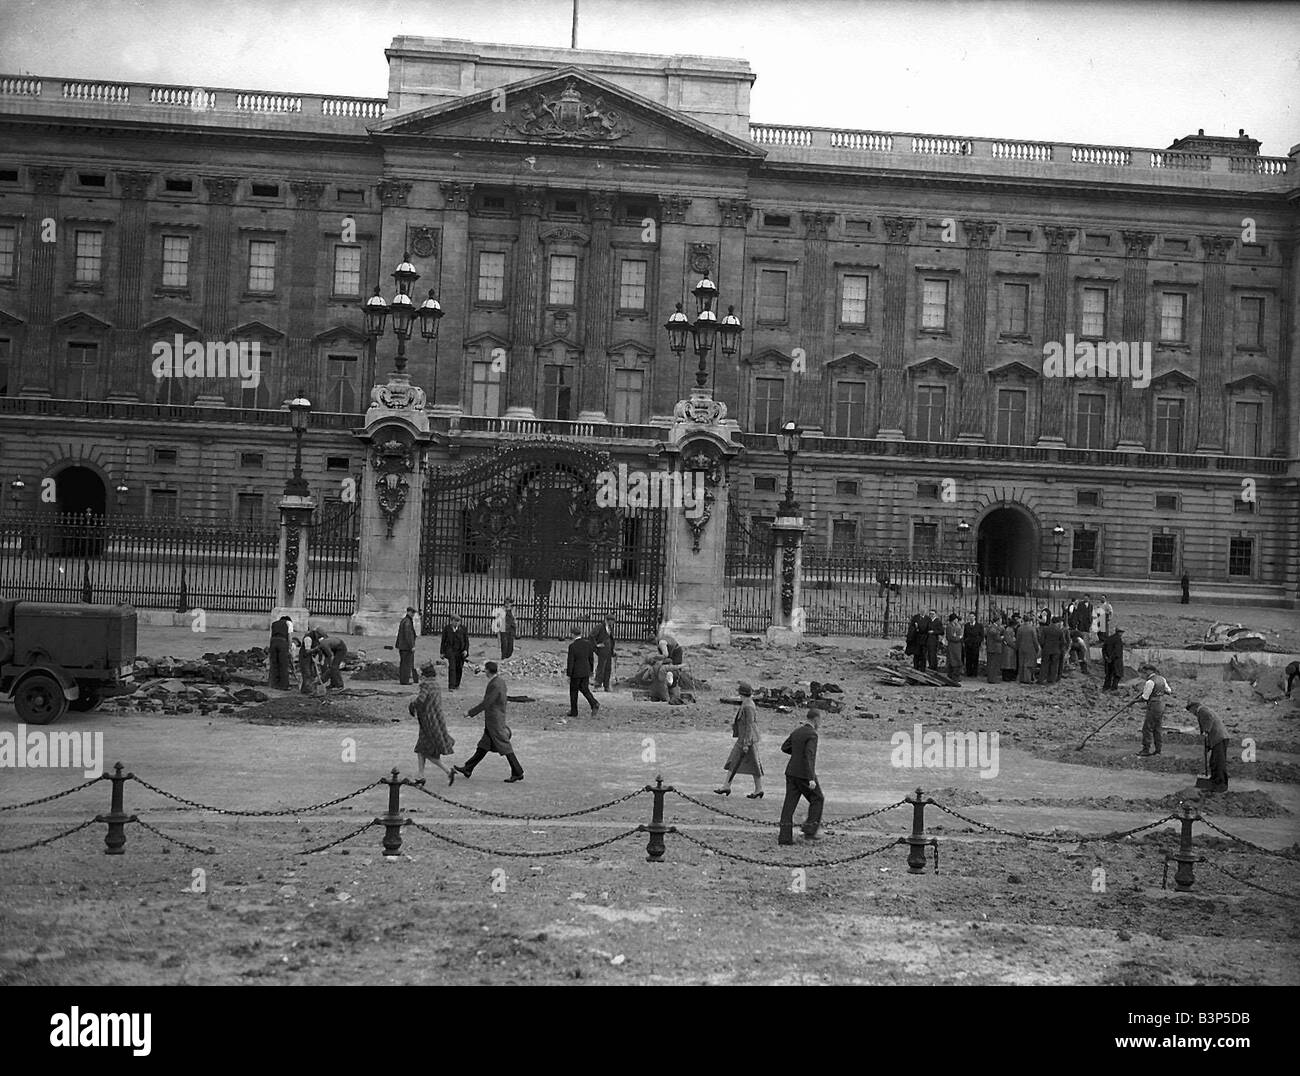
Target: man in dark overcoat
496, 733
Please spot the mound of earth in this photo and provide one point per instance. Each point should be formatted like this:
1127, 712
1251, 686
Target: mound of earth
308, 710
957, 797
1229, 804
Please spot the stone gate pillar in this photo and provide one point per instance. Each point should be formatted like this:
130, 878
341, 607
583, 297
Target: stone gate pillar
787, 581
291, 561
397, 437
699, 443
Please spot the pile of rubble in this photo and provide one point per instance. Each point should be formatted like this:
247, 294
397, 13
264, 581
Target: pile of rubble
174, 696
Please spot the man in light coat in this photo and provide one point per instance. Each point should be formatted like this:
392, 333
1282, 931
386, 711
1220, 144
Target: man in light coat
496, 733
503, 626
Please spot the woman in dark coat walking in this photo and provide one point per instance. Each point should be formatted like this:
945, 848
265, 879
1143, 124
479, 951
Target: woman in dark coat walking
434, 740
744, 753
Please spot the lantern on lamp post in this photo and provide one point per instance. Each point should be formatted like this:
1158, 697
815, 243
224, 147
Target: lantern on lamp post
1058, 532
706, 331
299, 412
788, 441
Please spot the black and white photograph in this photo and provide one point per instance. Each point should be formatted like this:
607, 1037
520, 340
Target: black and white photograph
458, 460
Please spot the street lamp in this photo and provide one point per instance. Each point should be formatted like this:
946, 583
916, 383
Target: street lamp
788, 442
402, 310
16, 488
122, 490
299, 410
963, 532
1058, 532
706, 327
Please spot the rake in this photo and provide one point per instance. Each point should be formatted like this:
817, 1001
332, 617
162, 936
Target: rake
1105, 723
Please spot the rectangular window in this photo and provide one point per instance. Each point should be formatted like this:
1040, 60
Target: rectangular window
1173, 317
8, 251
485, 390
253, 460
1250, 322
563, 280
350, 197
844, 535
765, 483
1015, 309
776, 220
931, 403
629, 394
1241, 556
164, 455
248, 508
1083, 554
92, 179
769, 404
1012, 410
178, 186
1093, 322
261, 265
176, 261
934, 304
1167, 502
163, 504
89, 257
927, 491
347, 270
925, 539
1090, 420
846, 487
1238, 505
1162, 552
1247, 418
772, 294
83, 371
266, 190
853, 300
850, 409
341, 383
631, 285
1087, 498
338, 463
557, 392
491, 277
1169, 425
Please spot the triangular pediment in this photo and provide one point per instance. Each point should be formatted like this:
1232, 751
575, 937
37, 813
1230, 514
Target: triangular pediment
7, 320
931, 367
1250, 383
257, 330
341, 334
770, 356
1173, 379
566, 110
487, 341
169, 327
852, 361
624, 346
81, 322
1014, 368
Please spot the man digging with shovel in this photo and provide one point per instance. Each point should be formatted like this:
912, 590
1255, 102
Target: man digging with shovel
1216, 743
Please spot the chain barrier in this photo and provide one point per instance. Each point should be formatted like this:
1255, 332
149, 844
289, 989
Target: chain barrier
56, 795
174, 840
256, 814
769, 863
1253, 885
345, 837
528, 817
527, 855
826, 823
1085, 839
48, 840
1248, 844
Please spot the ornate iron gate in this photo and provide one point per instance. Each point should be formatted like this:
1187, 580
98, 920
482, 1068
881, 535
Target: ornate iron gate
524, 523
748, 604
333, 554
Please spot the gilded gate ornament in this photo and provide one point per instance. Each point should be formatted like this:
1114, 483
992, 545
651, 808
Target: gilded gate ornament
710, 465
392, 460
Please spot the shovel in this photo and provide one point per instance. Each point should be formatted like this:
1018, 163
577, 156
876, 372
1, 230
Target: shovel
1105, 723
1205, 780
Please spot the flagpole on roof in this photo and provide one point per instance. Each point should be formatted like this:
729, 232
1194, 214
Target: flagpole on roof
573, 42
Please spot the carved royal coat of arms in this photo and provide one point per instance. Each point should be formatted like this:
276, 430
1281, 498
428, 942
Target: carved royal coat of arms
568, 116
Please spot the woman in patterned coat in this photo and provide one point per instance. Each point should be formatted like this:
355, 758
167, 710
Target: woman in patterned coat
744, 753
434, 739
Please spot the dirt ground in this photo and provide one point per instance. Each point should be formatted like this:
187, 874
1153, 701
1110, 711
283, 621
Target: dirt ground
1001, 909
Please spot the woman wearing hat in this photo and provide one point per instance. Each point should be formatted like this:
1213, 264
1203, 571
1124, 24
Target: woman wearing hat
744, 754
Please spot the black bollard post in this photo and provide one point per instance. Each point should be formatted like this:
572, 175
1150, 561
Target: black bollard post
393, 820
917, 842
1184, 878
655, 846
117, 818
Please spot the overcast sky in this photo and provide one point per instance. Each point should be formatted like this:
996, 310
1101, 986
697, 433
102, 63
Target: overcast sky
1130, 72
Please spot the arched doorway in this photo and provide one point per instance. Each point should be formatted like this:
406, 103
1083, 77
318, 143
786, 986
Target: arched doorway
80, 500
1007, 551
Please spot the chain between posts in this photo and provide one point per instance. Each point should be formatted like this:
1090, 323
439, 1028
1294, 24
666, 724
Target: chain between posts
527, 817
1057, 840
50, 840
828, 823
527, 855
56, 795
1242, 840
346, 837
174, 840
776, 863
1245, 881
255, 814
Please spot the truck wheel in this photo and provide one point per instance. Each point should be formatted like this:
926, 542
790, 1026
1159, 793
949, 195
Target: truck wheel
88, 700
40, 700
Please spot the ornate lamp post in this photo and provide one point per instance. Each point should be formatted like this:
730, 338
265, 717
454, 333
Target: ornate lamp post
16, 488
963, 532
703, 330
121, 491
299, 410
403, 311
1058, 532
788, 442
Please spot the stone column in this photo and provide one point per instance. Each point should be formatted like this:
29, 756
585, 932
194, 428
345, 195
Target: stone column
787, 582
1286, 404
1213, 374
1133, 409
893, 402
1053, 412
128, 364
291, 566
218, 239
699, 443
36, 373
455, 290
665, 376
815, 332
598, 311
728, 273
525, 304
973, 388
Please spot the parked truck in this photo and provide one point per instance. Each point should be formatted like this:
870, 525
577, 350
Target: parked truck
59, 656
